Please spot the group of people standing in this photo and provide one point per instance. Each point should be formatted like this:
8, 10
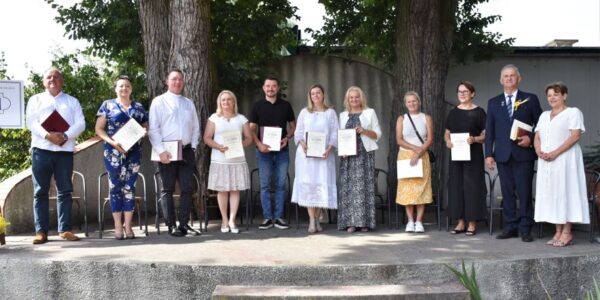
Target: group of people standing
552, 141
560, 194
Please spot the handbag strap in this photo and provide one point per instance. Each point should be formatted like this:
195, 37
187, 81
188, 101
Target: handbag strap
415, 128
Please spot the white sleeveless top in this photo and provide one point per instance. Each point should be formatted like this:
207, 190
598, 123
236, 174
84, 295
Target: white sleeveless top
408, 131
221, 125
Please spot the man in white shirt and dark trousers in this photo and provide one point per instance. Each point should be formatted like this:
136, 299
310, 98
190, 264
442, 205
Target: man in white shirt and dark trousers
173, 118
52, 154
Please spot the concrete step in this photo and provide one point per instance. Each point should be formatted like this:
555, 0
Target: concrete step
449, 291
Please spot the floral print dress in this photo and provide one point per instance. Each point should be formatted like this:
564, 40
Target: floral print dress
356, 203
122, 168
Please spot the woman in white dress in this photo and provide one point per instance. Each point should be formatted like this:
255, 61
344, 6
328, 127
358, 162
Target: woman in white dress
227, 176
561, 196
315, 179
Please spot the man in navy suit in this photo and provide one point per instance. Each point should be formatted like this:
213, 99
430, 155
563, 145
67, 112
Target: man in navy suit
515, 159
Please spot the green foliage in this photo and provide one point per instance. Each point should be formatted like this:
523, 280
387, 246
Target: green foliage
112, 27
351, 24
245, 35
362, 27
594, 294
471, 41
467, 280
114, 31
2, 66
14, 151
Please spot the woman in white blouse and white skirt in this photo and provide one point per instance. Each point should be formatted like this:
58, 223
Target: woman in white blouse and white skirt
227, 176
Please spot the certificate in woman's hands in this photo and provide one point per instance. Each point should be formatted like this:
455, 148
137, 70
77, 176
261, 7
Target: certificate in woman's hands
347, 142
129, 134
461, 150
316, 144
405, 170
271, 136
233, 141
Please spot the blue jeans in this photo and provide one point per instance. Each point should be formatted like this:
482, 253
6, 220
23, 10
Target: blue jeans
272, 169
43, 165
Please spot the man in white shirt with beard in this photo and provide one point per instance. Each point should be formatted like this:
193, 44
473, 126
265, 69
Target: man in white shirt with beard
173, 118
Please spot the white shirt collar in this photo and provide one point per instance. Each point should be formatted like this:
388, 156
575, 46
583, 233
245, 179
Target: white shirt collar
514, 95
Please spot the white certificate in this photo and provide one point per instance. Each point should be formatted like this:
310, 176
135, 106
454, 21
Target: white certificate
129, 134
347, 142
405, 170
233, 141
316, 144
461, 150
173, 147
271, 136
519, 129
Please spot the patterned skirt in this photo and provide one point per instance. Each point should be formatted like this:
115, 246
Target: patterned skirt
228, 177
415, 191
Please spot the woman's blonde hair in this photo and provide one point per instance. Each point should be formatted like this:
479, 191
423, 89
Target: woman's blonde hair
412, 93
361, 94
310, 105
220, 109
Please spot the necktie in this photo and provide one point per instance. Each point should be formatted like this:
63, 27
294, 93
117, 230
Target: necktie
509, 106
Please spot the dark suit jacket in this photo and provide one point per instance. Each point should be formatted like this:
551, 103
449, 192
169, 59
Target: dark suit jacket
497, 130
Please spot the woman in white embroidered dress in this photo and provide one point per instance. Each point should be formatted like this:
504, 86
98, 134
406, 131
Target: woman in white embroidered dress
315, 179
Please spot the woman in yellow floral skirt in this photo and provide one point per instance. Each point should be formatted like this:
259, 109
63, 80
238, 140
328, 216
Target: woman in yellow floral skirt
414, 135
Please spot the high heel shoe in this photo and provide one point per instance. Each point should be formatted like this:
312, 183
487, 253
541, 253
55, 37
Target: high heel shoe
318, 226
119, 236
130, 236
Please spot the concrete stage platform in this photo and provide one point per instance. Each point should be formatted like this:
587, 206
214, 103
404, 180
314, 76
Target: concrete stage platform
165, 267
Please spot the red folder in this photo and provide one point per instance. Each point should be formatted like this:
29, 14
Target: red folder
55, 122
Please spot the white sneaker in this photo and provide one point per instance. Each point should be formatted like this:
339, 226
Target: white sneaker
419, 227
410, 227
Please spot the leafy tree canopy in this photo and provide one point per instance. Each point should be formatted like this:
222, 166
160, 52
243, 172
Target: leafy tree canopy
367, 28
245, 34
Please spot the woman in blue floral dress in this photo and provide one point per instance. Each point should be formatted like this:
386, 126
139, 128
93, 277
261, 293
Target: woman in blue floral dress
122, 166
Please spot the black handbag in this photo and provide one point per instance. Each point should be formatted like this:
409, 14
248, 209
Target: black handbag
431, 155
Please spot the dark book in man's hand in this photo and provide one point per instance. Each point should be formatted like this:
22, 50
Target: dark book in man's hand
55, 122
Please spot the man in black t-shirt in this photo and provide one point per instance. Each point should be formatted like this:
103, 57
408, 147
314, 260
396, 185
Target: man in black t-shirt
272, 111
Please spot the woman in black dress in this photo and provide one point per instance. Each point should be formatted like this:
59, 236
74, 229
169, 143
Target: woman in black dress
466, 186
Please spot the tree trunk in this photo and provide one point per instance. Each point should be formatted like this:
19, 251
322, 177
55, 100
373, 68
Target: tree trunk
156, 33
190, 51
176, 34
424, 32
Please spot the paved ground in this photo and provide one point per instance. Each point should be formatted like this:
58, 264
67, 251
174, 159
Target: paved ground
276, 247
